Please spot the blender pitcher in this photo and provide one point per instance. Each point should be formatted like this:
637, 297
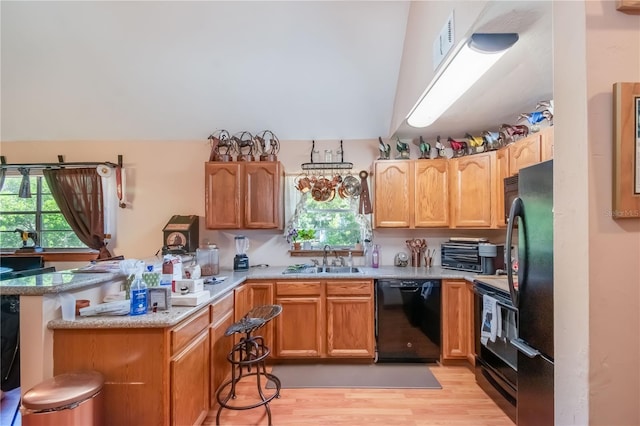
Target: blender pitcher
241, 261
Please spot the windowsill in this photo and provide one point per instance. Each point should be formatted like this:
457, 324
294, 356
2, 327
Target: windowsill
57, 255
320, 252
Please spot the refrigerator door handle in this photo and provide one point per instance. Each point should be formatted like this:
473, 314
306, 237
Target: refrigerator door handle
515, 211
524, 348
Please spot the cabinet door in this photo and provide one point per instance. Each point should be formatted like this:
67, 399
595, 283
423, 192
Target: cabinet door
393, 202
263, 195
472, 190
431, 181
523, 153
471, 342
222, 318
546, 144
350, 326
223, 190
190, 382
299, 328
502, 171
262, 294
456, 307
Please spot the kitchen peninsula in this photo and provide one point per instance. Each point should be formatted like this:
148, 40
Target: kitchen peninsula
153, 363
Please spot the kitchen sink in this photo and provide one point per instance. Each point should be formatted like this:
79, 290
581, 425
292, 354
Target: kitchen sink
309, 269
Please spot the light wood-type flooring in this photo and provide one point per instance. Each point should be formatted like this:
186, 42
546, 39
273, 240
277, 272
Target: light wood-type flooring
459, 402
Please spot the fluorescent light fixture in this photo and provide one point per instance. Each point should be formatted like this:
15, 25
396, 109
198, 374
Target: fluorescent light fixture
476, 56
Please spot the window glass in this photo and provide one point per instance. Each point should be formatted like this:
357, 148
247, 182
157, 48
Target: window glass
40, 213
334, 222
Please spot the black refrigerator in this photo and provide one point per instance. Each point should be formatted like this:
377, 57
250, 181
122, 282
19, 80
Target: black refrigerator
531, 215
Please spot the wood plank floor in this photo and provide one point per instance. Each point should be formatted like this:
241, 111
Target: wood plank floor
459, 402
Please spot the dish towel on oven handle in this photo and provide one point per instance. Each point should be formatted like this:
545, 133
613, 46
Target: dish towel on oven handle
490, 320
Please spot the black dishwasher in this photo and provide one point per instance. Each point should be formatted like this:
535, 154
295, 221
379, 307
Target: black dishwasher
408, 320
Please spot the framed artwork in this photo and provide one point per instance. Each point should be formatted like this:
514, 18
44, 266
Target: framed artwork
626, 150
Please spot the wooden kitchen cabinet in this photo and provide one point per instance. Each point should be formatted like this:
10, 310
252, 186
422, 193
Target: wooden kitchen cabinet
300, 327
393, 194
546, 144
411, 194
325, 319
222, 317
161, 375
502, 172
350, 314
457, 305
524, 152
244, 195
251, 294
472, 189
431, 193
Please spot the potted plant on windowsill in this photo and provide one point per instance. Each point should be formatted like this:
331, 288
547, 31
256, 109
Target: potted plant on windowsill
292, 238
306, 235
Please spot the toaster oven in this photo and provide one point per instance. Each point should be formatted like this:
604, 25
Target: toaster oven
479, 256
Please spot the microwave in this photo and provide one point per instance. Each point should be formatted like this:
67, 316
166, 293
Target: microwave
510, 194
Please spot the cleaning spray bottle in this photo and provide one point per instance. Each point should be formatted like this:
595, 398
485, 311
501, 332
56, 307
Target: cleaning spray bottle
138, 292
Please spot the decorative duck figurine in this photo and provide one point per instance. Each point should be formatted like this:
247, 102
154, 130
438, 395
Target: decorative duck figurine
402, 148
440, 147
385, 150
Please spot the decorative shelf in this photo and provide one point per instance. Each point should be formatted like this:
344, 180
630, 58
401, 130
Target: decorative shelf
327, 166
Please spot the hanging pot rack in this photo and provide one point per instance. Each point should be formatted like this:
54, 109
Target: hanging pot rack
341, 165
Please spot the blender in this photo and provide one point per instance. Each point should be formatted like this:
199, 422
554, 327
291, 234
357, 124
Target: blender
241, 261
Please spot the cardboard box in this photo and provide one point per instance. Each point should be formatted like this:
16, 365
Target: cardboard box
190, 299
194, 285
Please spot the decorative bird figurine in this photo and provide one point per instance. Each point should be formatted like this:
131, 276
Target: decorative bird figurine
402, 148
533, 118
476, 142
385, 150
425, 149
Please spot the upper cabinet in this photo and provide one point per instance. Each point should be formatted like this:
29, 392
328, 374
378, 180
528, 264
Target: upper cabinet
411, 194
462, 192
472, 190
393, 194
243, 195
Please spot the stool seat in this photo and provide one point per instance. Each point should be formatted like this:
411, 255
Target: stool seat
248, 352
254, 319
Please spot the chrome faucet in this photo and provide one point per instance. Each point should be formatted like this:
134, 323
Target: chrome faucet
324, 254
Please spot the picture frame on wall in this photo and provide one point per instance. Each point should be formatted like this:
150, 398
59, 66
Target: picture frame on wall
626, 150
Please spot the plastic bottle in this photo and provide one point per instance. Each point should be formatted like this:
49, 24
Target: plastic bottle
375, 257
138, 298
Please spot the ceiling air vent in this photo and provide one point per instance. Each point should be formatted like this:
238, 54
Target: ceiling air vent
443, 43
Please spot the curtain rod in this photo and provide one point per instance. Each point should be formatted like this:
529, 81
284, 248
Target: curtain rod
60, 164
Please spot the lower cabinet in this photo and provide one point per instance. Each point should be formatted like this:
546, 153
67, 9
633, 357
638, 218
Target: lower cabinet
159, 376
457, 320
251, 294
322, 319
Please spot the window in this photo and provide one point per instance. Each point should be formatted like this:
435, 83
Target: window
40, 213
335, 222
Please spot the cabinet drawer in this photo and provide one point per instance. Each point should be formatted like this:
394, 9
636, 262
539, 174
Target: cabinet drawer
298, 288
355, 287
221, 308
188, 329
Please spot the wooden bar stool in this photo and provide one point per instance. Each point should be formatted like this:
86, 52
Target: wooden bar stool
248, 353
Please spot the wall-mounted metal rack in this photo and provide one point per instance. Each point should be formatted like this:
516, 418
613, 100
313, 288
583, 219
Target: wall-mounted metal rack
315, 165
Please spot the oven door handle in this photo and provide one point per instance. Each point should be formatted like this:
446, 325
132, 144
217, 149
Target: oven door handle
524, 348
492, 294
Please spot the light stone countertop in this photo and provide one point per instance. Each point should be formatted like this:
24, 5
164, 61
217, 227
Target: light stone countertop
44, 284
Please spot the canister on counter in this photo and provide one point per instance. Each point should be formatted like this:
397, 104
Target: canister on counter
208, 259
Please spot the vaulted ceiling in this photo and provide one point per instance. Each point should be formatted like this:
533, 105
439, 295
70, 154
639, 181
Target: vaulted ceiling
181, 70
